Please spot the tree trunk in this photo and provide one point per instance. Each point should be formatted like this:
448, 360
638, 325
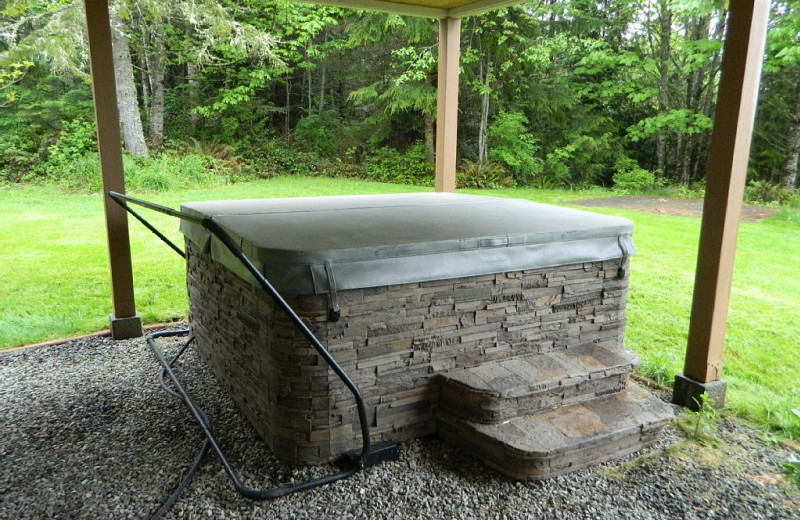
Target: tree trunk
430, 138
789, 169
287, 126
322, 73
144, 81
155, 65
129, 117
709, 98
679, 148
665, 20
686, 161
310, 91
321, 104
194, 94
694, 91
483, 127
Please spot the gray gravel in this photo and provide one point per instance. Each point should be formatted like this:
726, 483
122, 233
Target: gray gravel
85, 432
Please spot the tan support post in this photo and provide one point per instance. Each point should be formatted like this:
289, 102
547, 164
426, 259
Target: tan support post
726, 172
447, 103
125, 323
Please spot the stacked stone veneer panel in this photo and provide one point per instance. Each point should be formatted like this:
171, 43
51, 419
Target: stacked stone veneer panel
392, 341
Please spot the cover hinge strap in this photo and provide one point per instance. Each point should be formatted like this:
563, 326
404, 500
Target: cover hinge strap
333, 301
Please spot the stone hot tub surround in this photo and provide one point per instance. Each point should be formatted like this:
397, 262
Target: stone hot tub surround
450, 307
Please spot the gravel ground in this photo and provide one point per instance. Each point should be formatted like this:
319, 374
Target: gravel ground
85, 432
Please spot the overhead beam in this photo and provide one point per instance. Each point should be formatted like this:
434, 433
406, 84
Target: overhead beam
424, 9
385, 7
725, 178
480, 8
447, 103
125, 323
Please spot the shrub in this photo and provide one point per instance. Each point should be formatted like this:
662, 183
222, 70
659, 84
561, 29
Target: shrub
792, 470
273, 157
696, 191
483, 175
390, 165
556, 172
149, 180
76, 139
511, 144
318, 133
221, 153
174, 172
701, 425
82, 174
337, 168
630, 177
161, 173
763, 192
17, 158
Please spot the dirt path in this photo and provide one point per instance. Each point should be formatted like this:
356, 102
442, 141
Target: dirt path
669, 206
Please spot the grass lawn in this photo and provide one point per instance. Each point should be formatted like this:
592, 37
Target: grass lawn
54, 281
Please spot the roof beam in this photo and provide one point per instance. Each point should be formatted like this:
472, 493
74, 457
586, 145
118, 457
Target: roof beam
480, 7
385, 7
424, 11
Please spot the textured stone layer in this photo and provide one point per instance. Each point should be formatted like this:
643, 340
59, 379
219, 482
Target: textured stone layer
393, 342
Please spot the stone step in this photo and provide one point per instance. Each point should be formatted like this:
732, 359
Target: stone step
566, 439
501, 390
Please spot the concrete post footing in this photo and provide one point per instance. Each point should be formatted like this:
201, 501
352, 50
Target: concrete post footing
126, 328
687, 392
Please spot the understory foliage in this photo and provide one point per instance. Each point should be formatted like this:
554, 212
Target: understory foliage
556, 94
390, 165
701, 425
514, 148
163, 173
630, 177
483, 175
792, 470
765, 192
792, 467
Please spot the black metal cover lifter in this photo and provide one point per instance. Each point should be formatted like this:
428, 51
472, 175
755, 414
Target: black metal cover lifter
359, 460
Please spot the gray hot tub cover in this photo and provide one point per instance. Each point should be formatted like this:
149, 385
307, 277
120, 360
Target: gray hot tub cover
319, 245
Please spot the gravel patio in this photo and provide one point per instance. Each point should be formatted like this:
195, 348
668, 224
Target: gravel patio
86, 432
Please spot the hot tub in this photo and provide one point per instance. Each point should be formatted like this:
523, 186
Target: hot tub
402, 289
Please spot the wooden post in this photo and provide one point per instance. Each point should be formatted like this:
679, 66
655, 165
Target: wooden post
125, 323
726, 172
447, 103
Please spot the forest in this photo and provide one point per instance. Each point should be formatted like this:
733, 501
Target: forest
553, 93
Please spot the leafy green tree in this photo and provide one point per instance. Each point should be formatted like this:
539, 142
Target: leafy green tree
191, 42
404, 84
678, 50
514, 147
556, 92
776, 147
10, 75
54, 35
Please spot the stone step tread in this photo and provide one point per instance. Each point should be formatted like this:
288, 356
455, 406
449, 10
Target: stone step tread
520, 376
564, 439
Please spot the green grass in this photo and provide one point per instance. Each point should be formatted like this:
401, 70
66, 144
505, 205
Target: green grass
761, 360
54, 277
54, 281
